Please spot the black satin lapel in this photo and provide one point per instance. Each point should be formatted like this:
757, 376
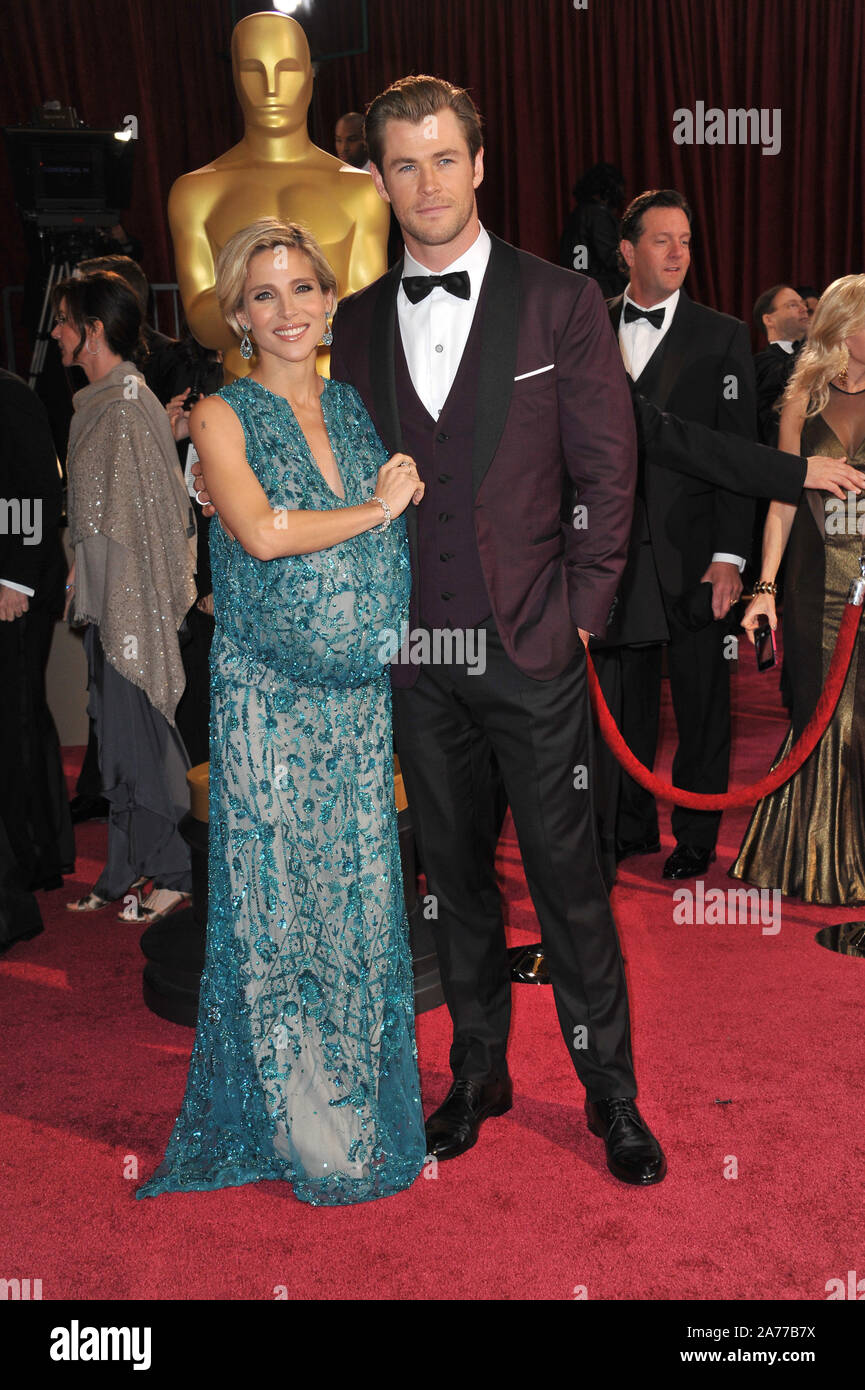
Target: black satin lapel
676, 352
648, 380
614, 308
381, 368
500, 336
382, 371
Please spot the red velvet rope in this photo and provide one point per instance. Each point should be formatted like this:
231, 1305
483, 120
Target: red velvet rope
744, 796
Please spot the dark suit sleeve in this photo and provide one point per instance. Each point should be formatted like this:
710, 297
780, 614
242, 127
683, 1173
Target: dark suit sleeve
726, 460
29, 473
371, 452
736, 414
770, 380
339, 369
164, 371
599, 444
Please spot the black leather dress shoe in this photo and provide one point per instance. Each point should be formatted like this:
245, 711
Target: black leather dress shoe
48, 884
688, 861
633, 1153
626, 849
85, 808
453, 1128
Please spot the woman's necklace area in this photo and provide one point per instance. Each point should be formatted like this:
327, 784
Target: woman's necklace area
845, 392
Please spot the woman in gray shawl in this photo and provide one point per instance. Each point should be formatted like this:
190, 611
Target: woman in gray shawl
131, 526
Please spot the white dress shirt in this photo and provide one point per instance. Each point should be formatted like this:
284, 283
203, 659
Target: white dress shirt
784, 343
637, 341
434, 331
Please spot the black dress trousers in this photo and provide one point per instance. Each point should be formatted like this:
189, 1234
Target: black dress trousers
453, 729
33, 800
700, 690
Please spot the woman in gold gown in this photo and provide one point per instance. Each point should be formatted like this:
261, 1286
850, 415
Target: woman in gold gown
808, 837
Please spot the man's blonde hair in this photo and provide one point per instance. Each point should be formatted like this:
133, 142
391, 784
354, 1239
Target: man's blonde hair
415, 99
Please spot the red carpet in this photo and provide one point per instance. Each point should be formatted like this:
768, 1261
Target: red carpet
749, 1055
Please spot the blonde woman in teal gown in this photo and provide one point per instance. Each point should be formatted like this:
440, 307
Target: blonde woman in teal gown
304, 1066
808, 837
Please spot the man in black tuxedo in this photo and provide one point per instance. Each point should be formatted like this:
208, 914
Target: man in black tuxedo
34, 807
690, 539
499, 374
724, 460
782, 315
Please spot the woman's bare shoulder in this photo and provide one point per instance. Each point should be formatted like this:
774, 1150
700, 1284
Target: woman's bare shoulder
213, 413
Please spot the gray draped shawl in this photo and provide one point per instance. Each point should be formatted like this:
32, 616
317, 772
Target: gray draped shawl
131, 523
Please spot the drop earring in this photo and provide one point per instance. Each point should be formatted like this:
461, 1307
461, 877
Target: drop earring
246, 348
845, 359
327, 335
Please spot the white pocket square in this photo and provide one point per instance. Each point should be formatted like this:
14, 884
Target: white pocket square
536, 372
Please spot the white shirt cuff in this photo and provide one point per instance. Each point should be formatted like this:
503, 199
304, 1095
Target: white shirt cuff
729, 560
19, 588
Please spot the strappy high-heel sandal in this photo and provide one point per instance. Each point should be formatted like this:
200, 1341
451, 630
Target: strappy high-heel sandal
158, 904
91, 902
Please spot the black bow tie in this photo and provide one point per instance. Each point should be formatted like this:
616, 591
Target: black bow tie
655, 316
417, 287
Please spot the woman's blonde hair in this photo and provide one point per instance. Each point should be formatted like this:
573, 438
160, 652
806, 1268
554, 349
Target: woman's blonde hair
267, 234
840, 312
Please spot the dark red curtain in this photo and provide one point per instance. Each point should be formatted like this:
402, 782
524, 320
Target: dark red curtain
559, 87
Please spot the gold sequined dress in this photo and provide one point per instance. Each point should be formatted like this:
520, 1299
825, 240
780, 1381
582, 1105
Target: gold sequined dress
808, 837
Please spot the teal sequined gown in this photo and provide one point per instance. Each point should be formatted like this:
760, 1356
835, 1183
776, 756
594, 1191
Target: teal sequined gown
304, 1063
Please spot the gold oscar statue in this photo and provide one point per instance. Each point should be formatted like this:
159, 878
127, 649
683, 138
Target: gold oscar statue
275, 171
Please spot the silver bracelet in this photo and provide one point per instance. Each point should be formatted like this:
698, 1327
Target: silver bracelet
386, 509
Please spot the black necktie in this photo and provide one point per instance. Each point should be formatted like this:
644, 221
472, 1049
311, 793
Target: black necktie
655, 316
417, 287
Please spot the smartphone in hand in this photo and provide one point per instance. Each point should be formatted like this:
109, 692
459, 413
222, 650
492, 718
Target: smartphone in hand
764, 645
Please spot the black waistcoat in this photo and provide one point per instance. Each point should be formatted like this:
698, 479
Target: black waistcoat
451, 591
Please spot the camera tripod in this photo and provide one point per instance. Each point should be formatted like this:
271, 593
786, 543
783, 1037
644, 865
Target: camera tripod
57, 271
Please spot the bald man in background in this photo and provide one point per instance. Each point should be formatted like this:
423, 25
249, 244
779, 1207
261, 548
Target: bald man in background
348, 142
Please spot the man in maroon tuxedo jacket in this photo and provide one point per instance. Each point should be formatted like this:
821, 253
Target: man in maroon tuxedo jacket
500, 375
